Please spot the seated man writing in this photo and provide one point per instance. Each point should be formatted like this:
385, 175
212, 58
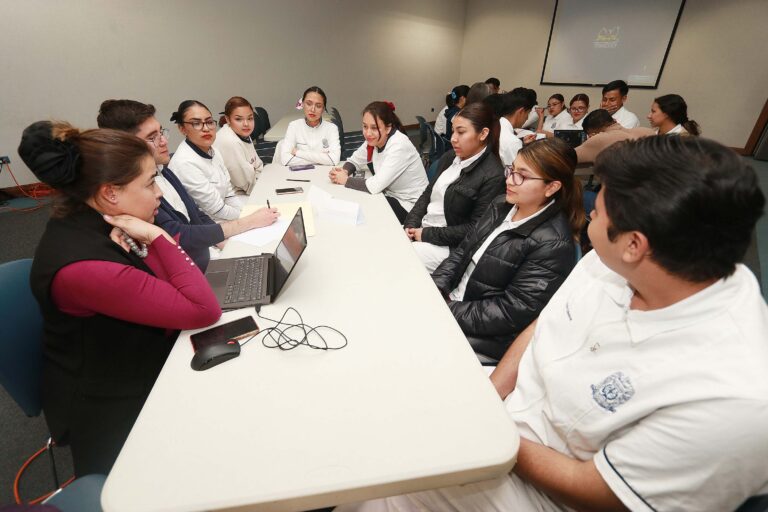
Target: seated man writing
642, 384
603, 131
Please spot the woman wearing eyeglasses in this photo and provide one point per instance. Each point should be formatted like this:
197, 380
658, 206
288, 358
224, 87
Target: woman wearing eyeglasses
311, 140
236, 146
579, 107
557, 119
518, 254
199, 167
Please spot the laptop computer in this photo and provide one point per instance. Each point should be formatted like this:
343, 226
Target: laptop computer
574, 138
252, 280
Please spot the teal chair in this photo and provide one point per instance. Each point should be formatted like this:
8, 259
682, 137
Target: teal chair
21, 345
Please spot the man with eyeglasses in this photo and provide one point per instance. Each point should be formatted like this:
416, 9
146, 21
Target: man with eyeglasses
178, 213
604, 131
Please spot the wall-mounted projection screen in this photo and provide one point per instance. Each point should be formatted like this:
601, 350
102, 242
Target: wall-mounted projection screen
593, 42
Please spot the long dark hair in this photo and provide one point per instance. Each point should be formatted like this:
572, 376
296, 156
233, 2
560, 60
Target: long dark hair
76, 163
482, 116
675, 107
555, 160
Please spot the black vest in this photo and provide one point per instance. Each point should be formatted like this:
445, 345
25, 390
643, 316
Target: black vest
97, 357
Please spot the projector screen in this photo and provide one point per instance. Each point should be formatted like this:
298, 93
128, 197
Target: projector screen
593, 42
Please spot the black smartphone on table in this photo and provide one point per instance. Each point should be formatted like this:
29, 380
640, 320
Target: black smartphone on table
234, 330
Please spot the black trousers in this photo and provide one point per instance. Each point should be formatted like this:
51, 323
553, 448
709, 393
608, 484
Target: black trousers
400, 212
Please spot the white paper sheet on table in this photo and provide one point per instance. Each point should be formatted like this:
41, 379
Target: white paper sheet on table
335, 210
287, 211
265, 235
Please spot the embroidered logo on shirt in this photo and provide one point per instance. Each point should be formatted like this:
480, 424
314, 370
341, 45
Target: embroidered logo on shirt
615, 390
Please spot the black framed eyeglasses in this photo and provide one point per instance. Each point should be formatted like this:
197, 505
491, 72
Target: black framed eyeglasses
163, 133
517, 178
197, 124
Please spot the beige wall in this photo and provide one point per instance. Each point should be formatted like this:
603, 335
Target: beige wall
717, 62
61, 59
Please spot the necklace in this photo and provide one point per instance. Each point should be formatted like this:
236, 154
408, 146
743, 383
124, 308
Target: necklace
140, 252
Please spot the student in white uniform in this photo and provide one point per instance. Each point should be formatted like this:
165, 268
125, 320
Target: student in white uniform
669, 115
533, 118
235, 145
614, 97
440, 120
514, 110
642, 383
467, 179
311, 140
578, 108
557, 119
199, 167
397, 166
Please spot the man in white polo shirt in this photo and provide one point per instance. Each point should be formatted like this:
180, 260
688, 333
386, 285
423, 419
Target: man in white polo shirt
614, 97
642, 385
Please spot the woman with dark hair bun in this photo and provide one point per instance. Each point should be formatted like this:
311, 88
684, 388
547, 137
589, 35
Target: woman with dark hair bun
468, 178
311, 140
519, 252
669, 115
113, 288
398, 170
236, 146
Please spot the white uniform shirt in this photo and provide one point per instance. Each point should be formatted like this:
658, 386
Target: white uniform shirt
169, 193
626, 118
578, 125
532, 121
239, 157
509, 142
506, 224
559, 122
435, 216
677, 130
671, 404
206, 180
440, 122
314, 145
399, 169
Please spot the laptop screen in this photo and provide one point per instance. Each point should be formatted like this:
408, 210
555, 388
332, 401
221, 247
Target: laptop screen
574, 138
289, 250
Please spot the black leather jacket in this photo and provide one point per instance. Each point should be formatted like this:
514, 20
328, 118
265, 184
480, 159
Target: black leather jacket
465, 201
513, 280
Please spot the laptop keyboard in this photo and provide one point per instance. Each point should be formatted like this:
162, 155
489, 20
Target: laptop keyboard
249, 281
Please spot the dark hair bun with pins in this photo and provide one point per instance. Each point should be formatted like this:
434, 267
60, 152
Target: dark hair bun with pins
54, 161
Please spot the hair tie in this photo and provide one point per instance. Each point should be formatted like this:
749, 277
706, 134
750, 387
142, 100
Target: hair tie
300, 104
453, 95
53, 161
390, 105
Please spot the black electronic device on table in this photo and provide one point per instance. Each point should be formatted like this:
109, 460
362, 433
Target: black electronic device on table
574, 138
252, 280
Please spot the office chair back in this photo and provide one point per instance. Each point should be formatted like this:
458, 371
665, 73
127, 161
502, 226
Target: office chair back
423, 133
261, 123
21, 344
336, 119
439, 144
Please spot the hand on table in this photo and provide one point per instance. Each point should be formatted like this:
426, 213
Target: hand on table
261, 217
338, 176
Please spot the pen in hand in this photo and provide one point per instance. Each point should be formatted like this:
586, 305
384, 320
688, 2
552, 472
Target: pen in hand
268, 205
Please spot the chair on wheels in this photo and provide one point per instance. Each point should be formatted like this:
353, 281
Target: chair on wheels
21, 347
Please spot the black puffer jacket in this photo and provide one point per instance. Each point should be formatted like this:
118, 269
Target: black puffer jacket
513, 280
465, 201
